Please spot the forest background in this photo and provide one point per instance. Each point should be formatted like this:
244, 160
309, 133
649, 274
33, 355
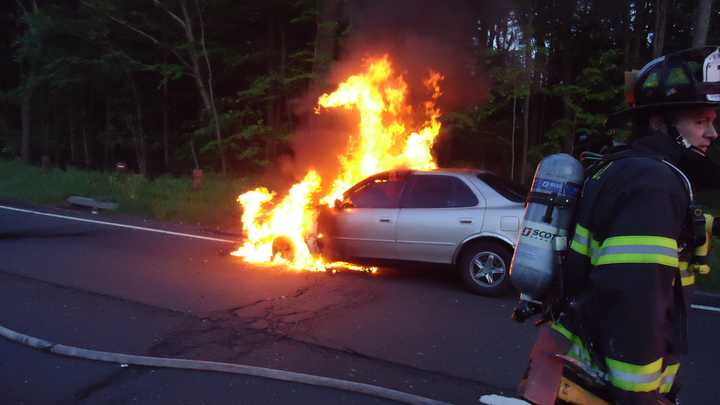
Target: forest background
228, 86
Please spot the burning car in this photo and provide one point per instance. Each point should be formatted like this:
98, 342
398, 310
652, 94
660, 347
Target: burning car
466, 218
419, 213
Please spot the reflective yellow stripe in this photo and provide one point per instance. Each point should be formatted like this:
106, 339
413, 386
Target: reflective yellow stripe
577, 350
559, 328
637, 249
629, 258
582, 231
630, 368
635, 386
668, 378
641, 240
581, 240
634, 377
688, 278
580, 248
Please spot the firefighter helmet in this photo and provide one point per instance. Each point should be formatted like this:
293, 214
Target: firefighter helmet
686, 78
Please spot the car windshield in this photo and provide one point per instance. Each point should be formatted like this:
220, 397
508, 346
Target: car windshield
508, 189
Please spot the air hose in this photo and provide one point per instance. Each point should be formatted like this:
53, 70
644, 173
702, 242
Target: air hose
185, 364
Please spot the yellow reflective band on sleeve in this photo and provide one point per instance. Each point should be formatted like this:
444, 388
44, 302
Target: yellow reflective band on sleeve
668, 378
582, 231
637, 250
559, 328
634, 377
578, 247
688, 280
583, 242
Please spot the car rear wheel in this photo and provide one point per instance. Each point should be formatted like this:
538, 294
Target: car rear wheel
485, 268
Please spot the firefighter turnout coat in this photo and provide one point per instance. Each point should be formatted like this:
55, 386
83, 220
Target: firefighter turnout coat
627, 317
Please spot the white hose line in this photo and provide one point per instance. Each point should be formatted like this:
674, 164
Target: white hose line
705, 308
289, 376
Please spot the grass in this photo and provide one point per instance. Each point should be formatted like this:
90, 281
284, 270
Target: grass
164, 198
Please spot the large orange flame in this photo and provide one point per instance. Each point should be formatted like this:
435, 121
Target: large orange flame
383, 142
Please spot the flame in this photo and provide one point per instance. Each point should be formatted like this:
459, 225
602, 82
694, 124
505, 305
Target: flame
383, 142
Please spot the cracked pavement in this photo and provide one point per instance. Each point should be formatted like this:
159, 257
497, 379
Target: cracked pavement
102, 288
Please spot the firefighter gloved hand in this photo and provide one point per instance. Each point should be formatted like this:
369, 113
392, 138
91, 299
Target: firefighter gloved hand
700, 263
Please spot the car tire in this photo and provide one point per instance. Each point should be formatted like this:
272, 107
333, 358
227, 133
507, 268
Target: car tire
485, 268
283, 246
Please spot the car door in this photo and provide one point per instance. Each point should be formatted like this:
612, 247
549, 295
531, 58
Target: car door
365, 225
437, 213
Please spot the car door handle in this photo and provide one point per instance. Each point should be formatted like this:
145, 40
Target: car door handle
466, 221
385, 220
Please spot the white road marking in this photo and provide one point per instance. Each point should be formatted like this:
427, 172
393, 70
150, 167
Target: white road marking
137, 228
705, 308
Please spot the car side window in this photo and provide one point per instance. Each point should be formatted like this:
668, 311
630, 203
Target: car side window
437, 191
380, 192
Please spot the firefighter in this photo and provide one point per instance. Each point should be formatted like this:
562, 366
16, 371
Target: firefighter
625, 311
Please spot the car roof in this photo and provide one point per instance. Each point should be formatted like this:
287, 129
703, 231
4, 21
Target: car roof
469, 171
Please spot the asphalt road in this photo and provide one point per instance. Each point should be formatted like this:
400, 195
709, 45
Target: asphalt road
138, 292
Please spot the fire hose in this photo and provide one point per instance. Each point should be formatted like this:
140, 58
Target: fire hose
185, 364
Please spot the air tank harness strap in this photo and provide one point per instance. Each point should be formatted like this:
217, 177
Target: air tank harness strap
549, 200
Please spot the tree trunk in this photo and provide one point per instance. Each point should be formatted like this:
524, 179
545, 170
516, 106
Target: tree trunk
702, 22
166, 147
205, 89
569, 142
194, 154
107, 134
661, 7
627, 36
327, 25
526, 113
639, 35
26, 100
512, 143
86, 148
526, 135
72, 140
283, 71
271, 103
26, 115
136, 127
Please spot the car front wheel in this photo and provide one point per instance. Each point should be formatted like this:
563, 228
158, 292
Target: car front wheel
485, 268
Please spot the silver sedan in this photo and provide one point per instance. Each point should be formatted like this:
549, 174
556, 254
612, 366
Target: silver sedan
467, 218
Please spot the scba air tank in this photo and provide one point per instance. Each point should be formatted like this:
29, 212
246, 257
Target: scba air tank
543, 234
